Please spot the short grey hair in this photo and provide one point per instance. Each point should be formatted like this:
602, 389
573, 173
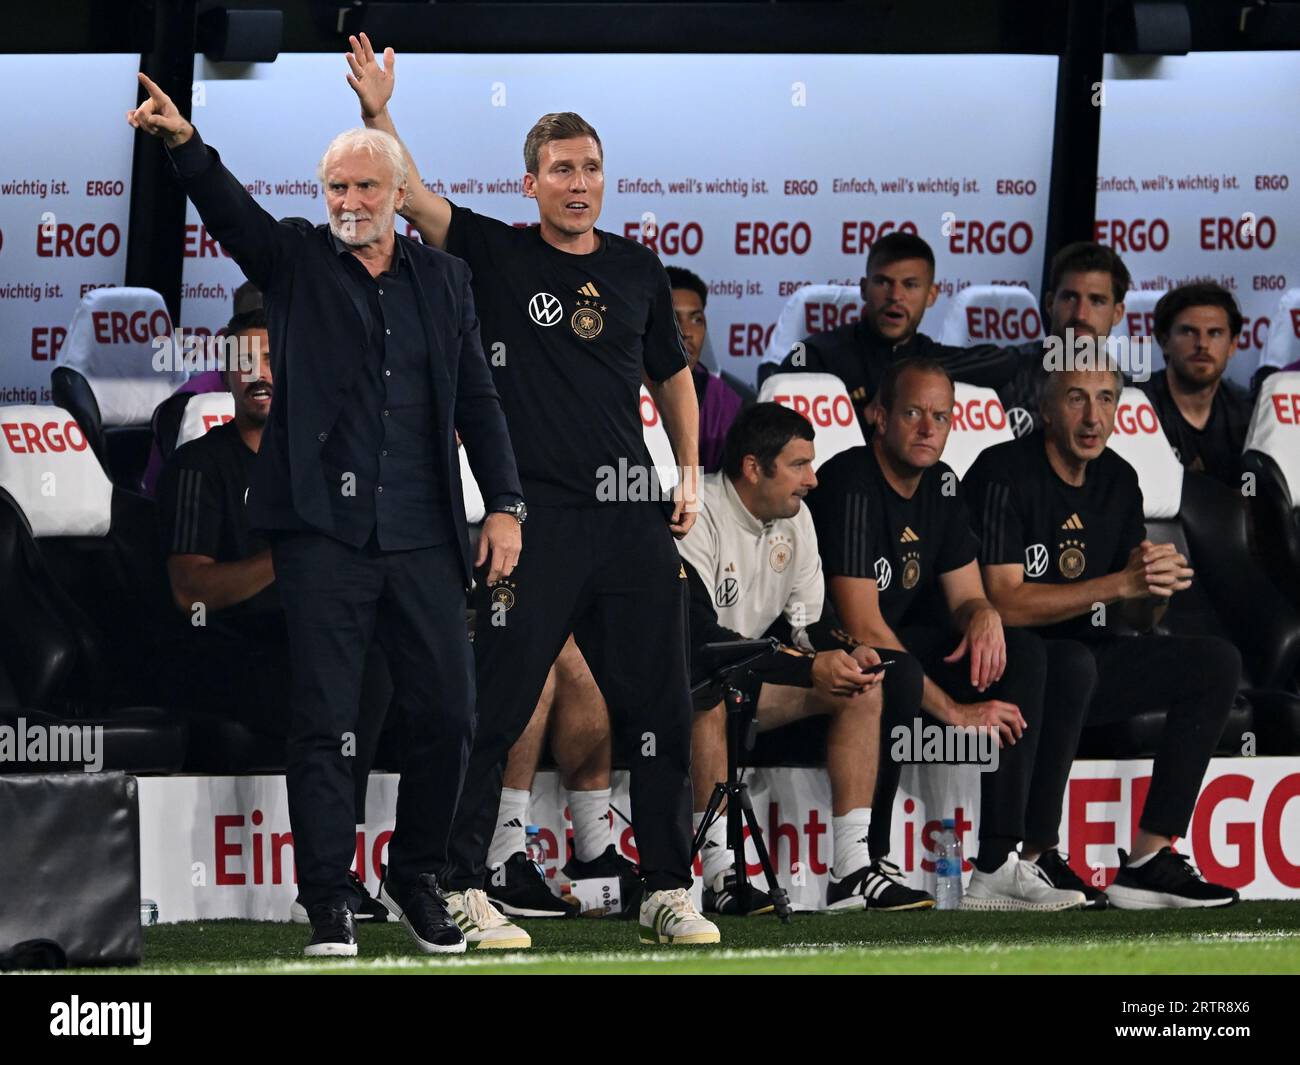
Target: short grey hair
374, 141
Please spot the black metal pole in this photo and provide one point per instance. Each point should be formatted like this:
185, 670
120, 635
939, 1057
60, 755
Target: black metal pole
1072, 200
155, 238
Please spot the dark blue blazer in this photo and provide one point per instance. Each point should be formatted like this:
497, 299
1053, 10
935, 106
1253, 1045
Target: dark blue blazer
318, 337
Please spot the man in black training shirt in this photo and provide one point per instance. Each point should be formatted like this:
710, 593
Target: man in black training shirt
573, 319
1204, 416
897, 290
900, 559
1064, 551
231, 654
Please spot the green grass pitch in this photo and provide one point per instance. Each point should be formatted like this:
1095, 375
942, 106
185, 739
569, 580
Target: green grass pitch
1252, 937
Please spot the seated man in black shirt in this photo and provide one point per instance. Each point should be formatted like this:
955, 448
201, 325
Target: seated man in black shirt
230, 653
900, 559
896, 292
1064, 548
1204, 416
1087, 283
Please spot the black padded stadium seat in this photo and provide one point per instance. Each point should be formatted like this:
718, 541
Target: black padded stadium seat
55, 664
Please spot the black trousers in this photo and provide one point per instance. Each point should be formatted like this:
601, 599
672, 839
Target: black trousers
610, 575
1194, 677
337, 599
1004, 792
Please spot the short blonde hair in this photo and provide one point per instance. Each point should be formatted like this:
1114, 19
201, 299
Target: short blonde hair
376, 142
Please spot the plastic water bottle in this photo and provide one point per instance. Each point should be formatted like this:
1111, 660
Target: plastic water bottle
947, 867
148, 912
533, 849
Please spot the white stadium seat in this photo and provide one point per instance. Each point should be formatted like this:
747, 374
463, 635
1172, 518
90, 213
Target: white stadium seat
1283, 344
1275, 427
1139, 321
992, 314
204, 411
812, 309
47, 466
1140, 441
978, 422
111, 344
822, 399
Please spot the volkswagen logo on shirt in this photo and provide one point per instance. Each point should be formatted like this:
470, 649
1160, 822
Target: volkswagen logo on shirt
1035, 560
1022, 422
728, 592
884, 573
545, 309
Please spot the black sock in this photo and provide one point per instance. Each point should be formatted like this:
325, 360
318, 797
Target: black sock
993, 853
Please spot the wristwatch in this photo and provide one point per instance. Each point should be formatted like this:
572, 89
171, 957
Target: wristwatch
518, 511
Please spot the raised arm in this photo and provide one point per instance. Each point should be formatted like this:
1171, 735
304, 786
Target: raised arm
230, 214
373, 83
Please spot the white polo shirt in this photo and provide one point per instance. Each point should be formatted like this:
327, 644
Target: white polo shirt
757, 570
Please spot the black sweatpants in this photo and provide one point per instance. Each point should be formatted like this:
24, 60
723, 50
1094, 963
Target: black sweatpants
611, 575
1004, 792
1194, 678
337, 599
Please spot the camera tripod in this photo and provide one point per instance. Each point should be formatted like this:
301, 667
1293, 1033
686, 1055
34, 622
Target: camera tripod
734, 791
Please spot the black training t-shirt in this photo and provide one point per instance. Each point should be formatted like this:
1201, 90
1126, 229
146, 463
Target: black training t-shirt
201, 505
1216, 449
866, 529
568, 338
1024, 513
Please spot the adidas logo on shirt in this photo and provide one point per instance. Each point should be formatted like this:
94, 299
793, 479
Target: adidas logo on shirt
589, 290
1072, 522
908, 536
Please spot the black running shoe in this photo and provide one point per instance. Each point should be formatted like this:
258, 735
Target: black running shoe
365, 907
423, 913
333, 933
733, 902
1166, 881
1057, 867
878, 886
519, 889
609, 863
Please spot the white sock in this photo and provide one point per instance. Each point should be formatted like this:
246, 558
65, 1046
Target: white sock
714, 855
850, 834
591, 828
512, 817
1138, 863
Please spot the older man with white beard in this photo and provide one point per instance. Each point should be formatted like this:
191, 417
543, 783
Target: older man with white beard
377, 362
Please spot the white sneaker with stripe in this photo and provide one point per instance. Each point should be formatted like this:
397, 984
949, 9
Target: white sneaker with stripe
482, 924
1021, 886
671, 917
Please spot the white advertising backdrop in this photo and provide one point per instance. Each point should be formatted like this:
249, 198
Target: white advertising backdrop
759, 173
65, 188
222, 847
1199, 176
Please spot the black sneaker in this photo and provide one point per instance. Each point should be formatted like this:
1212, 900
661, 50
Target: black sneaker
730, 901
423, 913
609, 863
365, 907
1166, 881
333, 933
878, 886
1057, 867
519, 889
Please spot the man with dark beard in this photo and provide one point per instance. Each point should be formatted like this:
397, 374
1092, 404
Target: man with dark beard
1204, 417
